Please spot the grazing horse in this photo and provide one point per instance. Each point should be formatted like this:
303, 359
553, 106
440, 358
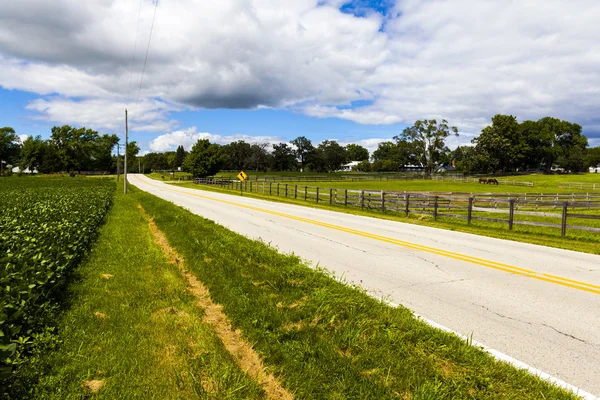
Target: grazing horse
483, 180
492, 181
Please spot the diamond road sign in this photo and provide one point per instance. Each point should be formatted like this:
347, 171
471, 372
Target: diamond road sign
242, 176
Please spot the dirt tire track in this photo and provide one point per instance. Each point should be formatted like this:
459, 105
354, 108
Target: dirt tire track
248, 360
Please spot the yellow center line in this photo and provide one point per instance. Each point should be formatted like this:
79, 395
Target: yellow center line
587, 287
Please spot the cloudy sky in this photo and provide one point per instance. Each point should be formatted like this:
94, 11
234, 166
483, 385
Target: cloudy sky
271, 70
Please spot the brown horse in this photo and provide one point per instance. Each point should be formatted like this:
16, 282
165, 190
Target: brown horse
492, 181
483, 180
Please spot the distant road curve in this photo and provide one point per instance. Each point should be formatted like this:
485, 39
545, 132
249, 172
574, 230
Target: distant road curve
536, 304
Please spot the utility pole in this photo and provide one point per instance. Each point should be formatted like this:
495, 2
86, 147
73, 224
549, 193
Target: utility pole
118, 161
139, 165
125, 166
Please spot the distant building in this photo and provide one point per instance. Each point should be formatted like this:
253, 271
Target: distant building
349, 166
412, 168
595, 170
446, 168
16, 170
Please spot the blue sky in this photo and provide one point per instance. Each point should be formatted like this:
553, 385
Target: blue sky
267, 71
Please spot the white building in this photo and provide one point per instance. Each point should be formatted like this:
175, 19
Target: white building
349, 166
595, 170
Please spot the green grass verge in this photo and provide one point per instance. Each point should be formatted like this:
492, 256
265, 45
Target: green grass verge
139, 332
582, 241
327, 339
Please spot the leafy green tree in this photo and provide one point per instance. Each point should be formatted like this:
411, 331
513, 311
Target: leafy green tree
132, 151
9, 147
75, 146
204, 159
236, 155
156, 162
355, 152
283, 158
363, 166
31, 153
179, 157
303, 151
429, 138
504, 143
259, 157
333, 155
102, 152
592, 157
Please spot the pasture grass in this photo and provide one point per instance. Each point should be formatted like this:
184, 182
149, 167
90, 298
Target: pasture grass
169, 176
326, 339
576, 240
132, 329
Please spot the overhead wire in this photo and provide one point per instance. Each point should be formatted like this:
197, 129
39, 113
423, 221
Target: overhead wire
147, 51
137, 29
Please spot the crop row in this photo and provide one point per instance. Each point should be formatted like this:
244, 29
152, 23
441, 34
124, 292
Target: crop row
46, 227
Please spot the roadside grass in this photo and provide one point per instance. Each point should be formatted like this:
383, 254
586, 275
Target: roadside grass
576, 240
326, 339
132, 329
169, 176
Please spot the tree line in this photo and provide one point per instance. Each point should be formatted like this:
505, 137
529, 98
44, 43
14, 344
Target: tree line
504, 146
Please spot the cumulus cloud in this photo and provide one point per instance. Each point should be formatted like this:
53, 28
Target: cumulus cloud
188, 137
464, 60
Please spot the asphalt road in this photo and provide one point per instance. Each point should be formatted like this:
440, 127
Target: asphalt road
536, 304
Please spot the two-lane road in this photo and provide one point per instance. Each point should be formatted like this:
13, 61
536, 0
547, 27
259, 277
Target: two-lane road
536, 304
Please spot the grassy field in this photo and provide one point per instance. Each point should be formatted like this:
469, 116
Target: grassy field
168, 303
170, 176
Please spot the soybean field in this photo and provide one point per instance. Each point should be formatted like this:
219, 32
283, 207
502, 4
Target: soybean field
46, 228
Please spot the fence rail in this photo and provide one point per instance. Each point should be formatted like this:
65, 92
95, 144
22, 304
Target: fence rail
578, 185
469, 206
466, 179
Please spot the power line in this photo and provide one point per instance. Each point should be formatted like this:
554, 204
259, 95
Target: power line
134, 51
147, 51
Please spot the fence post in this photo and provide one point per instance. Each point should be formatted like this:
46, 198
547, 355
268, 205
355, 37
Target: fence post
382, 201
270, 188
250, 186
362, 199
435, 207
470, 211
511, 214
305, 192
330, 196
317, 194
406, 210
295, 191
564, 219
345, 197
286, 191
277, 189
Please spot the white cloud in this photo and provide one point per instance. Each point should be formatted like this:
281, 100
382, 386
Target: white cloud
188, 137
106, 114
463, 60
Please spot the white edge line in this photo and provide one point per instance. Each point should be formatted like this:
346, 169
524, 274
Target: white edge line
506, 358
498, 354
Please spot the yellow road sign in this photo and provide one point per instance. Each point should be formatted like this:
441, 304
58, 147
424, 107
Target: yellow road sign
242, 176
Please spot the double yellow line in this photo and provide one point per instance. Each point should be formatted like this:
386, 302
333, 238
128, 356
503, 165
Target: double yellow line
586, 287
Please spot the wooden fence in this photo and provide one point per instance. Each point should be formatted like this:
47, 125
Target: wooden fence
577, 185
466, 179
468, 206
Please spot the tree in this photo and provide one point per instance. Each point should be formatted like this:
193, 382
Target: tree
102, 152
258, 157
179, 157
303, 149
31, 153
283, 157
332, 153
74, 146
401, 152
236, 155
132, 151
592, 157
504, 143
204, 159
363, 166
9, 147
429, 138
355, 152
